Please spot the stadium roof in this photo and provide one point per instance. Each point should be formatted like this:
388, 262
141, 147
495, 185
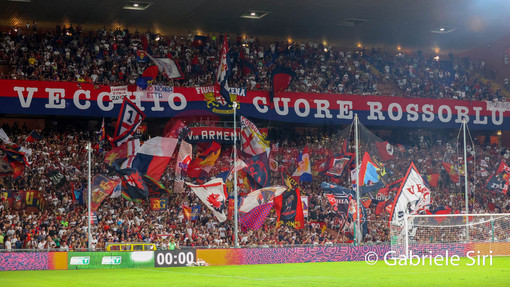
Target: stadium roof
451, 25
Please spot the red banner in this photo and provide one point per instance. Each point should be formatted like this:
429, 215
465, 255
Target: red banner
73, 99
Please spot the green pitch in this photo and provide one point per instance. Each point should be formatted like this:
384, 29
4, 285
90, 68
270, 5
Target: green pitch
304, 274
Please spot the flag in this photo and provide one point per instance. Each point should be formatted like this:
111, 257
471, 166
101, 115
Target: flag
158, 204
224, 71
380, 207
281, 77
289, 209
238, 166
304, 170
256, 217
176, 129
203, 163
33, 137
149, 74
371, 174
498, 182
166, 66
4, 137
102, 187
273, 164
432, 179
385, 150
117, 191
183, 161
260, 197
338, 197
78, 191
252, 141
304, 202
141, 56
354, 211
5, 167
413, 197
186, 211
57, 178
130, 117
133, 186
214, 195
258, 171
101, 138
337, 164
195, 212
122, 156
154, 155
440, 210
155, 188
452, 171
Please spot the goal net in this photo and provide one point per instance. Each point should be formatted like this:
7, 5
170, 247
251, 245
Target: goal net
458, 233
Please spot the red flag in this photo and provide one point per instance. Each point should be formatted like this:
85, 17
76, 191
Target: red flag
151, 72
289, 208
186, 211
432, 179
385, 150
452, 171
205, 161
380, 207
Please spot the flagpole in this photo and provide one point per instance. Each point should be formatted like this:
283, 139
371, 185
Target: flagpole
236, 243
89, 195
356, 122
465, 179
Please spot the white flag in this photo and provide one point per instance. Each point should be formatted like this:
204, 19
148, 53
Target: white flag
166, 66
214, 195
412, 197
4, 137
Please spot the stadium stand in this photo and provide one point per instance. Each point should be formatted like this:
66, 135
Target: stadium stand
107, 57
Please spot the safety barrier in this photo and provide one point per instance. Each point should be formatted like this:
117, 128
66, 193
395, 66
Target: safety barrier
10, 261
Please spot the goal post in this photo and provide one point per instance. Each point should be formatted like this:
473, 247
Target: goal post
458, 233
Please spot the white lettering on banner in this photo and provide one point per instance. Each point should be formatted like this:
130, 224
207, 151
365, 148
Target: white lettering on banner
25, 103
375, 108
307, 107
306, 112
495, 121
344, 110
76, 99
172, 104
477, 120
462, 113
440, 113
157, 107
322, 109
219, 135
256, 103
285, 102
412, 112
399, 112
54, 101
100, 102
428, 114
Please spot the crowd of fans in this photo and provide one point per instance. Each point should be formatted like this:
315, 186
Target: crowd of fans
63, 223
107, 57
